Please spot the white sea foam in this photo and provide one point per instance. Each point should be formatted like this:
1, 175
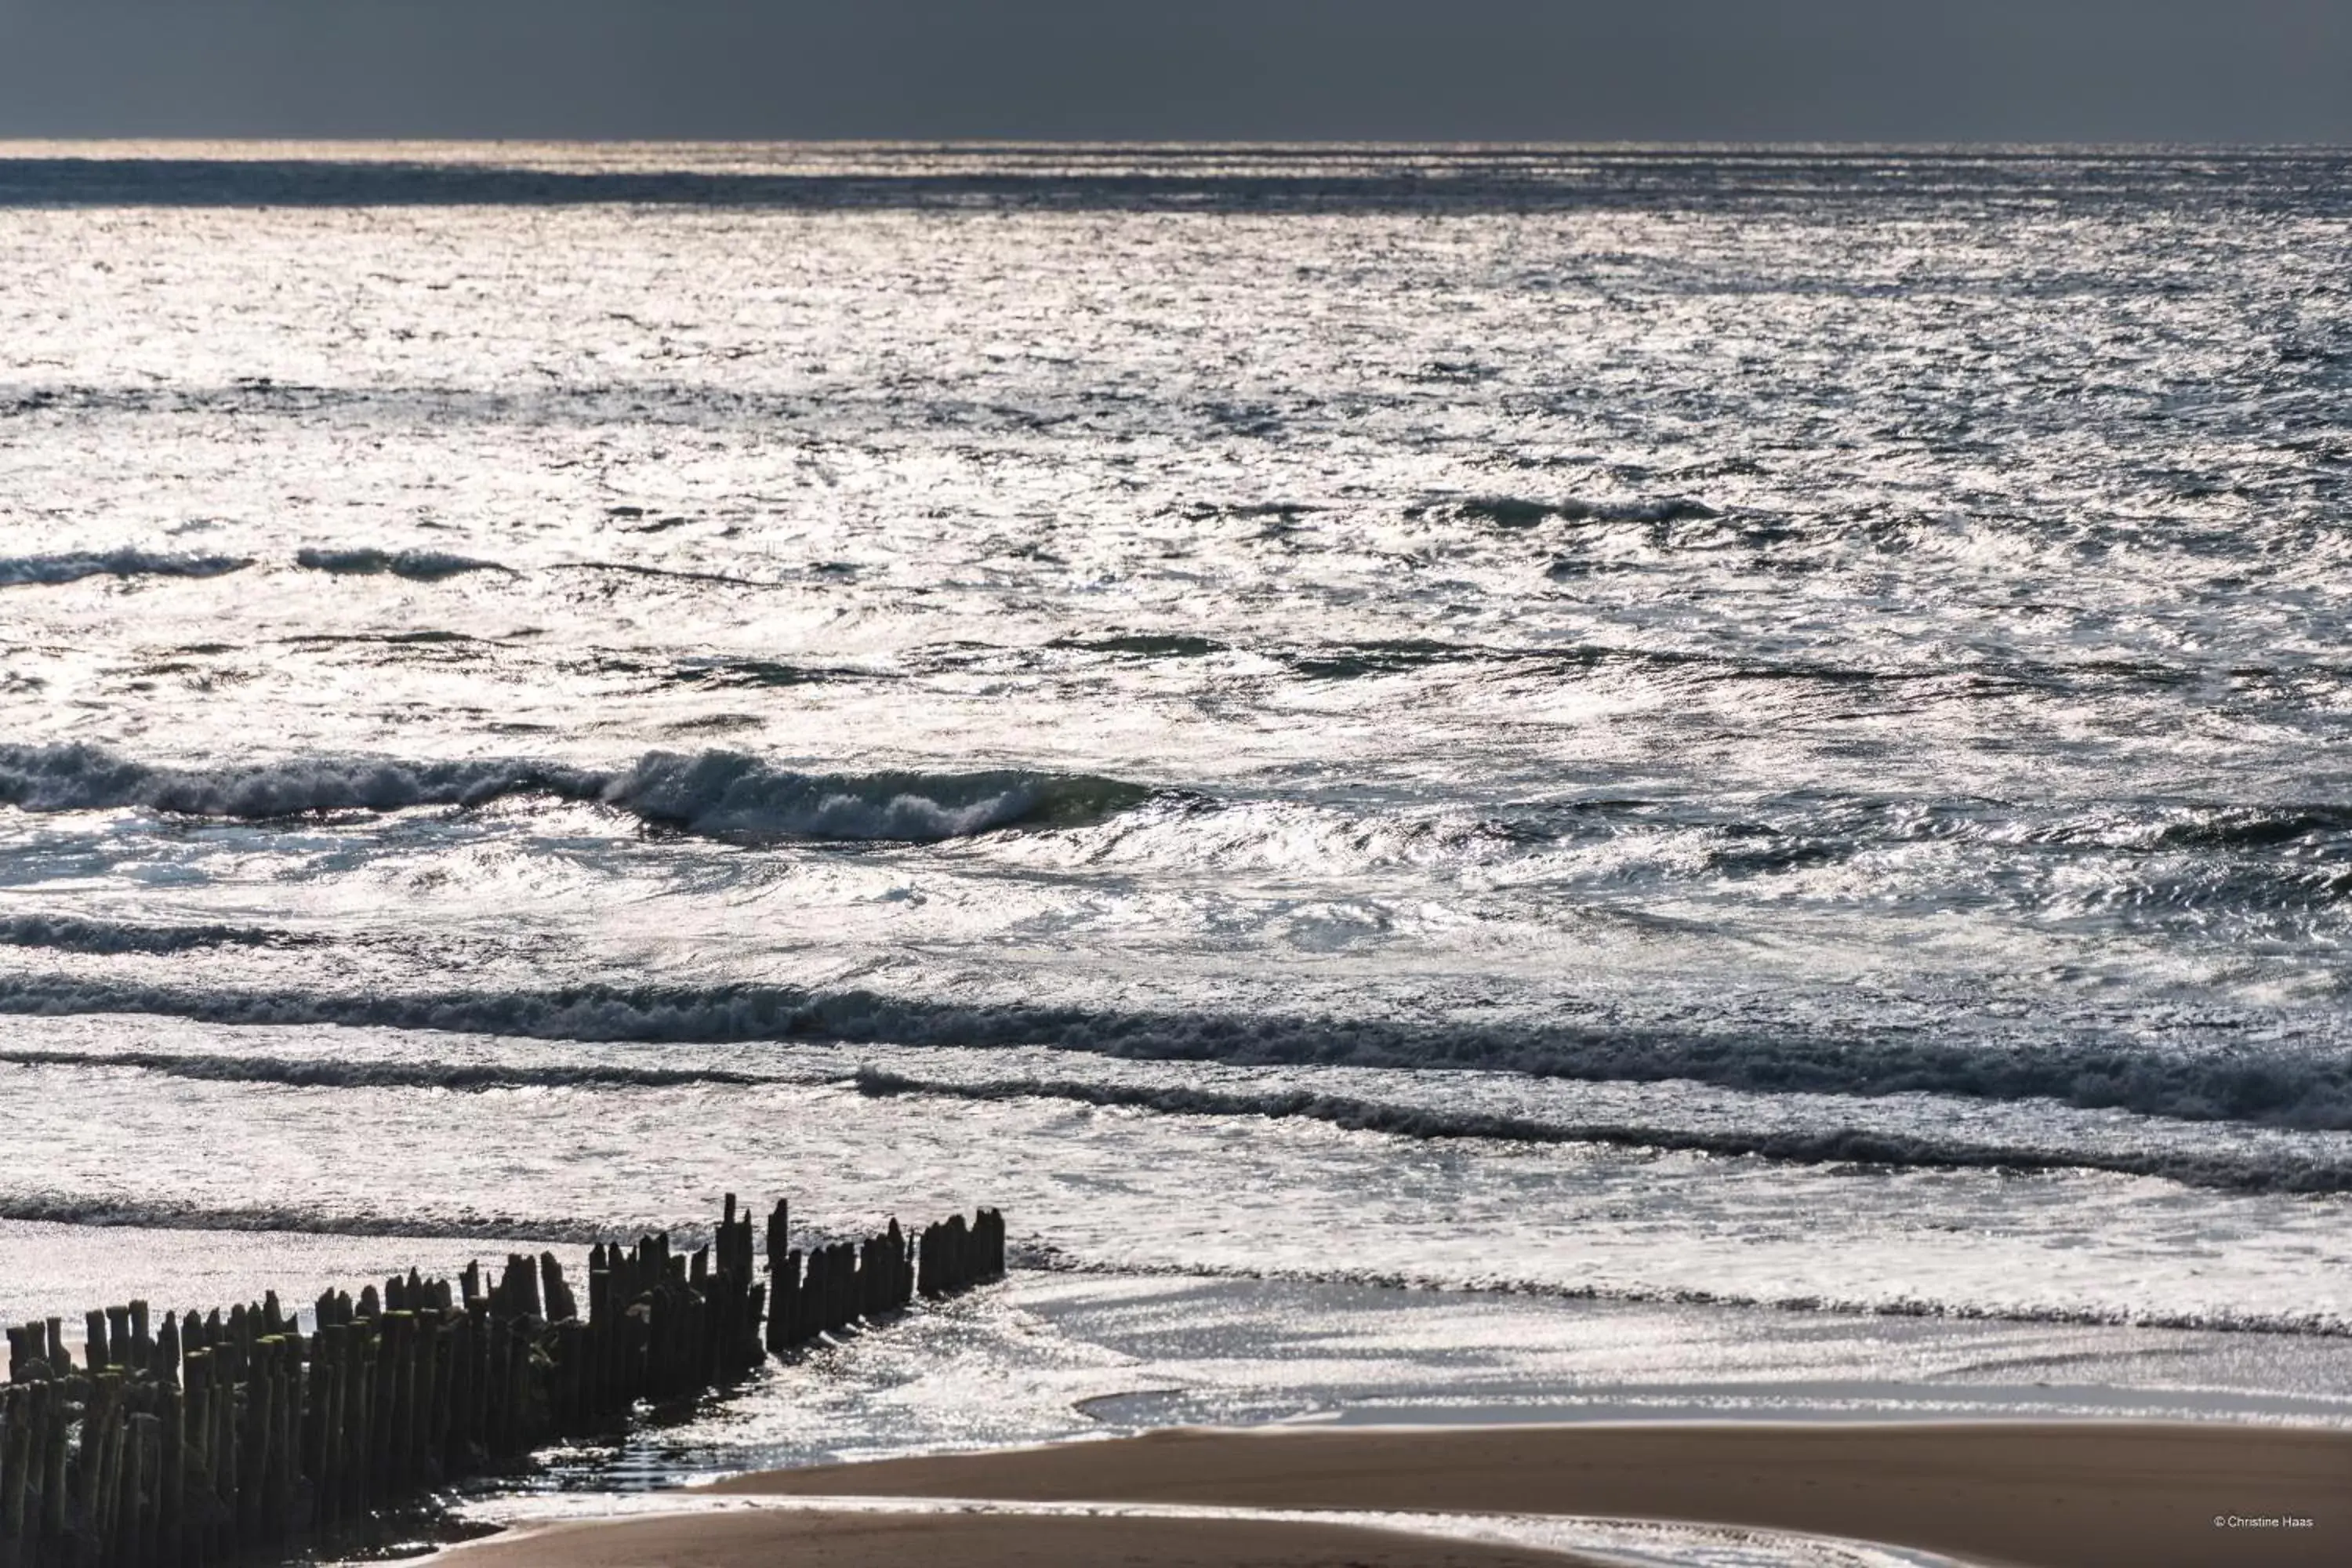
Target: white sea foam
1815, 680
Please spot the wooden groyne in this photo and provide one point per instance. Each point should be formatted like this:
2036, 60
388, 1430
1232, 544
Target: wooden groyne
236, 1434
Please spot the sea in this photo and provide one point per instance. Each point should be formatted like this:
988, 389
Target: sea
1474, 783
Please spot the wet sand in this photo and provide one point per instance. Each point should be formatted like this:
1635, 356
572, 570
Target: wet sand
2047, 1495
816, 1539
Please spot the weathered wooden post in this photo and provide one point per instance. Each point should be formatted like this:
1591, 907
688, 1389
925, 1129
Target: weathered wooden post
498, 1409
206, 1438
92, 1483
118, 1522
400, 1342
359, 1411
16, 1456
324, 1443
286, 1436
437, 1465
172, 1480
465, 1437
196, 1496
559, 1302
781, 1290
135, 1533
117, 1339
55, 1506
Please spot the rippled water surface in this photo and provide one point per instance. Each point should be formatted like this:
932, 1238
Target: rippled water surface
1766, 728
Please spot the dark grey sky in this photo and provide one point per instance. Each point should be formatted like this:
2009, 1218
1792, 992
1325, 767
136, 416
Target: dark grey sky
2241, 70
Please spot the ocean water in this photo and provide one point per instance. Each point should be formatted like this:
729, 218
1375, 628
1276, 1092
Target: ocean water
1759, 734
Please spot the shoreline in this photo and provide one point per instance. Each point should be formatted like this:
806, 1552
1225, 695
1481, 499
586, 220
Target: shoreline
1998, 1494
965, 1537
2037, 1495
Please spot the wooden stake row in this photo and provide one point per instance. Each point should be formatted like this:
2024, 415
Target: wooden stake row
237, 1433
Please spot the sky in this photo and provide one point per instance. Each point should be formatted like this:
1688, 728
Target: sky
1842, 70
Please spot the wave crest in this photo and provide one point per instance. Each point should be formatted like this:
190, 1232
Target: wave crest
139, 1214
2285, 1171
71, 933
48, 571
2305, 1090
728, 795
723, 794
337, 1072
83, 777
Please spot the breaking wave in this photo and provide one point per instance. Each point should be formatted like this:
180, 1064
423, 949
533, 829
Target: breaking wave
729, 795
2285, 1172
2280, 1086
80, 777
332, 1072
44, 571
108, 1210
2262, 1170
2332, 1325
71, 933
417, 565
721, 793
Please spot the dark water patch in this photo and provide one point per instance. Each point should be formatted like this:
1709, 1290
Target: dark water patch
1237, 179
73, 933
1356, 660
1249, 511
673, 573
2286, 1170
53, 571
1144, 644
757, 672
2326, 827
415, 565
1349, 661
712, 723
1755, 850
1520, 512
422, 638
1453, 373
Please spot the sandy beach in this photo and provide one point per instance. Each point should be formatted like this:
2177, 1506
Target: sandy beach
2063, 1495
2052, 1494
821, 1539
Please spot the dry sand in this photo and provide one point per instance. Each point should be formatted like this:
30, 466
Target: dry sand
2048, 1494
